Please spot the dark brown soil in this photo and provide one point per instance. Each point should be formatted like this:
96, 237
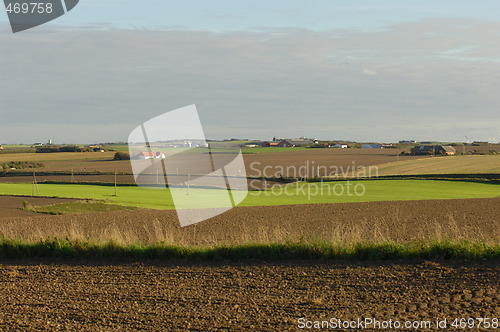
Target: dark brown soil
55, 296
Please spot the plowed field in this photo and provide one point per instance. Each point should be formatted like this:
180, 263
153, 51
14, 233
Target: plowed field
56, 296
460, 219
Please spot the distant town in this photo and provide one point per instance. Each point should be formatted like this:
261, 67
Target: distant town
153, 151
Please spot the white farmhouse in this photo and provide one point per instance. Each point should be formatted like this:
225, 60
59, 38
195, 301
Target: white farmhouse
151, 155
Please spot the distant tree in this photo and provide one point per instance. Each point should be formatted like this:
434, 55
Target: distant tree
47, 149
70, 148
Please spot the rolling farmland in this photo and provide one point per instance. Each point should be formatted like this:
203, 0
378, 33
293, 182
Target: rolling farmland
336, 241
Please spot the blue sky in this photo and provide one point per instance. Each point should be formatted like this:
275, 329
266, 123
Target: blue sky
356, 70
231, 15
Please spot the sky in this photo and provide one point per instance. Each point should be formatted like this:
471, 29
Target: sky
353, 70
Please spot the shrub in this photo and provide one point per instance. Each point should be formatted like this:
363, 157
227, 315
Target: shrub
121, 156
27, 206
20, 165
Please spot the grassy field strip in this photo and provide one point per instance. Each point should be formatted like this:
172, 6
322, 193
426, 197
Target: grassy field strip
296, 193
17, 146
129, 196
274, 251
443, 165
380, 190
79, 207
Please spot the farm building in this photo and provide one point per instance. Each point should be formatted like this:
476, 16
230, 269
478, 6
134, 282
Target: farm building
96, 148
340, 146
150, 155
373, 146
433, 150
280, 144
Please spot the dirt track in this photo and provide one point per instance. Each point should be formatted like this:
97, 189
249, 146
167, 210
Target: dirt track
258, 296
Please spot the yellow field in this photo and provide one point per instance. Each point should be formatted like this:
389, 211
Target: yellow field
58, 156
476, 164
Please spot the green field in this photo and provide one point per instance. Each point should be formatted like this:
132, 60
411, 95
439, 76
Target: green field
16, 146
297, 193
116, 147
246, 150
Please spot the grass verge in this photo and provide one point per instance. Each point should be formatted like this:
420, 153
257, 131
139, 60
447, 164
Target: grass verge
65, 248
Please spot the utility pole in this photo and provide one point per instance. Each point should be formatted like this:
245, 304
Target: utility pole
353, 166
116, 194
35, 185
307, 171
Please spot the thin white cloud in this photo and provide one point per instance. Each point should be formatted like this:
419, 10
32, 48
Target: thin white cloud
370, 72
